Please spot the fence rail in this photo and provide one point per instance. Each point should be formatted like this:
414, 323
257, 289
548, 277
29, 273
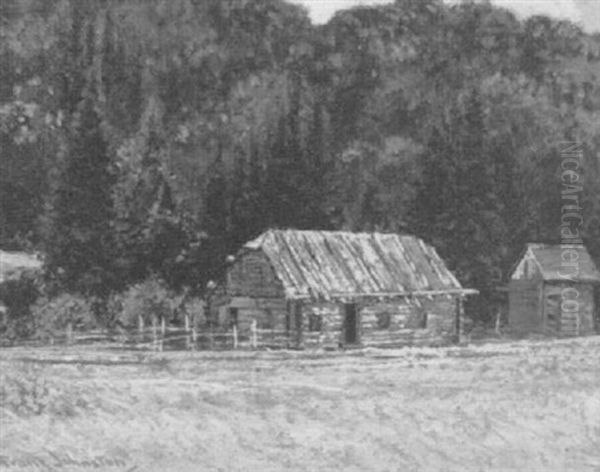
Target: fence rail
160, 338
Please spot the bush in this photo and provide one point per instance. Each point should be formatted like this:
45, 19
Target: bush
150, 300
53, 316
195, 307
18, 295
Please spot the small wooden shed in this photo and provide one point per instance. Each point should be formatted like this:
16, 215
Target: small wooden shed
553, 291
333, 288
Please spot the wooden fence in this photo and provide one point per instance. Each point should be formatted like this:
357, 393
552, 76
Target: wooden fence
159, 338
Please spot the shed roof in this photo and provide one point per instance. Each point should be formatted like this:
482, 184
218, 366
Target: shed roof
336, 264
553, 262
13, 264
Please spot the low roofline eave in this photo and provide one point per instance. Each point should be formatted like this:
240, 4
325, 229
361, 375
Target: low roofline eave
417, 293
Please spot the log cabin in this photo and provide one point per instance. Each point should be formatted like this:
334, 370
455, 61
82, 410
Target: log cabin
331, 289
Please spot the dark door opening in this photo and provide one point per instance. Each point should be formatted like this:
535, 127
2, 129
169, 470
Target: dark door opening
293, 323
350, 324
596, 310
233, 317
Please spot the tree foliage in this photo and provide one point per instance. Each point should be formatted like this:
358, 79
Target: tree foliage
80, 241
153, 138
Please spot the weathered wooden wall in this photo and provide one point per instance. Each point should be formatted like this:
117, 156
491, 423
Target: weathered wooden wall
252, 276
331, 315
597, 310
539, 307
572, 315
422, 321
269, 313
583, 324
405, 328
254, 293
524, 306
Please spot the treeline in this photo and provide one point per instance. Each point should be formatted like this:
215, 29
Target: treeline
149, 140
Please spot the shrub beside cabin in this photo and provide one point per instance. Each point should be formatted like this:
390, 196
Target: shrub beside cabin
332, 289
13, 266
553, 291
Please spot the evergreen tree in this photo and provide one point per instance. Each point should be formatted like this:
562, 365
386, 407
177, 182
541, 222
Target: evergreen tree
79, 240
479, 228
150, 233
282, 198
248, 216
434, 194
457, 207
301, 122
216, 220
319, 169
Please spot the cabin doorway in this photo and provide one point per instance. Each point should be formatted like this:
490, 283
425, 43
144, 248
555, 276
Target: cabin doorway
293, 323
351, 332
596, 309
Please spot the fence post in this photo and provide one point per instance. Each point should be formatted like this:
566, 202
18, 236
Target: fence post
254, 334
235, 337
141, 327
211, 321
163, 332
194, 334
154, 334
69, 332
188, 338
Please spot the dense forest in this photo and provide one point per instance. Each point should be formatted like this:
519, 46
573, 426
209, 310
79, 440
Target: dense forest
144, 141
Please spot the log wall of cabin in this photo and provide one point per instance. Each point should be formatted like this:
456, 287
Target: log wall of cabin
422, 321
332, 319
252, 275
411, 322
279, 324
253, 293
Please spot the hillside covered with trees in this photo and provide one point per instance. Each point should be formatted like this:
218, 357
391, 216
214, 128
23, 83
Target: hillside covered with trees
146, 141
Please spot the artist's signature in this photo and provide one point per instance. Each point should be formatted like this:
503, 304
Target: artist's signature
51, 462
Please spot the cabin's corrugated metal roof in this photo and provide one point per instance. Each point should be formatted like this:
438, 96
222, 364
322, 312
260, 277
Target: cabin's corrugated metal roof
330, 264
563, 262
12, 264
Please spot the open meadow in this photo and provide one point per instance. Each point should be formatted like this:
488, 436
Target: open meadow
526, 405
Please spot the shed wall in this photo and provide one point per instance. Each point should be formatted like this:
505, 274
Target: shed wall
525, 309
573, 307
538, 307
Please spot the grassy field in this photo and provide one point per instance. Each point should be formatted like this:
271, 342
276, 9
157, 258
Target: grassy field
526, 406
